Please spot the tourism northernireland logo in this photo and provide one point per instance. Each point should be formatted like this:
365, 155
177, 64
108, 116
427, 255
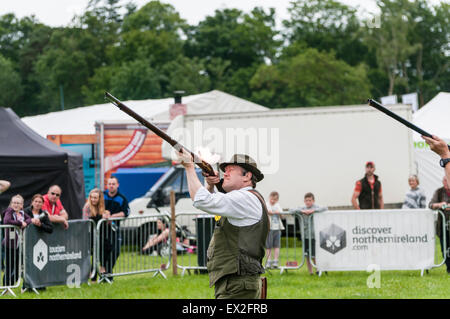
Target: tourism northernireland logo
333, 239
40, 254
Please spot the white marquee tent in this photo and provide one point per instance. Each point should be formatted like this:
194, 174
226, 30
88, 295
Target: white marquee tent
434, 118
82, 120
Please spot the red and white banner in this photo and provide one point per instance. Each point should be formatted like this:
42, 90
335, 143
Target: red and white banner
135, 144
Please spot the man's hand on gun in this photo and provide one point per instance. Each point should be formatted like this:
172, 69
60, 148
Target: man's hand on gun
212, 180
437, 145
185, 158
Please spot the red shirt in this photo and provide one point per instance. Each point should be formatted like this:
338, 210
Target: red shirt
52, 209
358, 186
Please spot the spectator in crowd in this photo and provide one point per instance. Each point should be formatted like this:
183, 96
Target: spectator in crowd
116, 205
276, 226
13, 215
415, 197
4, 185
94, 209
441, 201
440, 198
368, 193
39, 217
308, 223
156, 241
237, 249
54, 207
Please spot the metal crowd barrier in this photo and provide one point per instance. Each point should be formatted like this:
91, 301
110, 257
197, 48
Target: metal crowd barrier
94, 249
445, 229
292, 256
11, 258
194, 232
445, 249
59, 236
133, 245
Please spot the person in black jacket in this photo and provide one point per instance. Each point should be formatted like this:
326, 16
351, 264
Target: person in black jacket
39, 217
368, 193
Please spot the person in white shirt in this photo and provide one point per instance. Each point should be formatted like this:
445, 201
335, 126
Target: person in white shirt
4, 185
276, 226
236, 251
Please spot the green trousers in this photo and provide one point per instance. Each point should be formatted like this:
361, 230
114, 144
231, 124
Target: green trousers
238, 287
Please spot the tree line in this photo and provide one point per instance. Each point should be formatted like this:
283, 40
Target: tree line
325, 53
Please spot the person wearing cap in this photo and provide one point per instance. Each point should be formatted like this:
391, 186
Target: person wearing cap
237, 248
368, 193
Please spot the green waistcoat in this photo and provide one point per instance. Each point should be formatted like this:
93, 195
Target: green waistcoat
238, 250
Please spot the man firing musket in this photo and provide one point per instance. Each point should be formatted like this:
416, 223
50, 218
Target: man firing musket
236, 251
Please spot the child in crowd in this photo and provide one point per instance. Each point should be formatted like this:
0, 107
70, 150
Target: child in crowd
276, 226
309, 209
13, 215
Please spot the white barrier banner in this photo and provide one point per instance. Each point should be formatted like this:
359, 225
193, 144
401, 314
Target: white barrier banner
391, 239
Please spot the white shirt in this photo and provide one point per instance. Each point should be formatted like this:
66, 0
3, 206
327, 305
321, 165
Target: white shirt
275, 220
241, 207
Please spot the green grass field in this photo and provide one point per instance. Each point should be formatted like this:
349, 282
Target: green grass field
294, 284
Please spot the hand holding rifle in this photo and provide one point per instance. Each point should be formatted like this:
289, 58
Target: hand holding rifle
186, 160
437, 145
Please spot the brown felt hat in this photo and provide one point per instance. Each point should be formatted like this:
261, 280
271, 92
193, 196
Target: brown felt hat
246, 162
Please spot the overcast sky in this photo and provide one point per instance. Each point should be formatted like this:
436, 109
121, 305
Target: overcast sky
60, 12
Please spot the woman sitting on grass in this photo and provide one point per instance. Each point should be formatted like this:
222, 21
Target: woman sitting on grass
155, 241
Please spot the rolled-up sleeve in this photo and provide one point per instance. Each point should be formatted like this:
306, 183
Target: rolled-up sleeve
238, 204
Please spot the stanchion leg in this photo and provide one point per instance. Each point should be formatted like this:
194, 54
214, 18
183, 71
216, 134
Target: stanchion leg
161, 273
23, 290
104, 278
8, 291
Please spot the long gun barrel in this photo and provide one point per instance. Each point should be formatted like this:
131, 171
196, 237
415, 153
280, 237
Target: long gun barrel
205, 167
383, 109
